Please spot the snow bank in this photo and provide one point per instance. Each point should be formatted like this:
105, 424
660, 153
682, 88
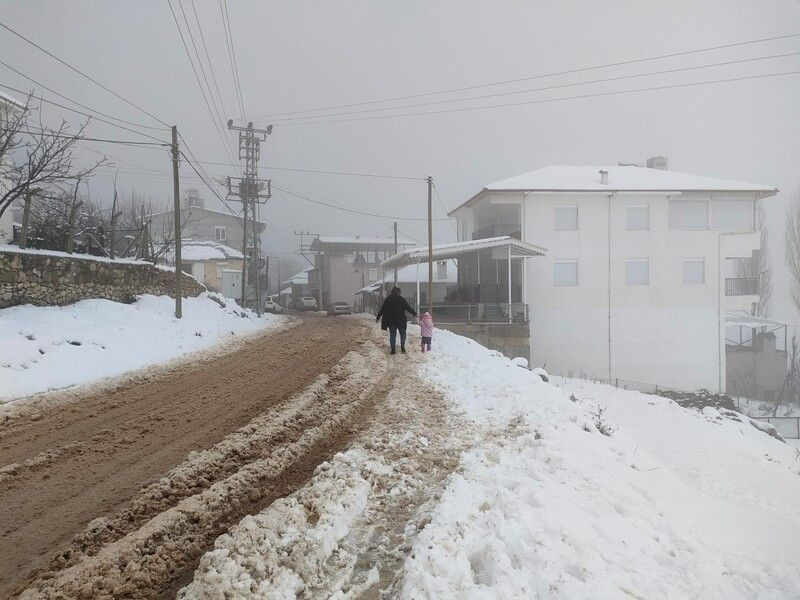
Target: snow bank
46, 348
546, 506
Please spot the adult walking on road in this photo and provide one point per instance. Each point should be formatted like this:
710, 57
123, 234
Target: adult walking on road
392, 316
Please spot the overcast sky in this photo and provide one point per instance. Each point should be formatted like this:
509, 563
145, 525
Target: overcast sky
304, 55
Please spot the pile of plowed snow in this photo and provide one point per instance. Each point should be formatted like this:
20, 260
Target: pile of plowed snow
46, 348
673, 504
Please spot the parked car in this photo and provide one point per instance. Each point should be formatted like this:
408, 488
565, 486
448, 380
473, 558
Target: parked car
271, 306
307, 303
339, 308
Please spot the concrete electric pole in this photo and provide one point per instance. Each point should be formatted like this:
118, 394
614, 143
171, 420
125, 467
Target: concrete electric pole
176, 193
251, 192
430, 245
395, 251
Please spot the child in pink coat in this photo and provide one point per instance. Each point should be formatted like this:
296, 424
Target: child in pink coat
426, 327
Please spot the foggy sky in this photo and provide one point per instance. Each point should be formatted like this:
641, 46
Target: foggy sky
301, 55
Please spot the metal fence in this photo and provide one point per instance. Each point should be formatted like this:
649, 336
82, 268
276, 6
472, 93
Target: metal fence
741, 286
788, 427
490, 231
478, 313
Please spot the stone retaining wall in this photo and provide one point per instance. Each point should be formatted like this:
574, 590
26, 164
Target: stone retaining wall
54, 279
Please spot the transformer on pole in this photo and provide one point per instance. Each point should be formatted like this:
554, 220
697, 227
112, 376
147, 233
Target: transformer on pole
251, 192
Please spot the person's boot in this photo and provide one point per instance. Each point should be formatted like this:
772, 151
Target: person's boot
392, 350
403, 348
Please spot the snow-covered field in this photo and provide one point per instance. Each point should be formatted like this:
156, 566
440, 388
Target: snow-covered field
539, 502
47, 348
674, 504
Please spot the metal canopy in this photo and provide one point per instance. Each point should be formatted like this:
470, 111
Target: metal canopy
739, 319
453, 250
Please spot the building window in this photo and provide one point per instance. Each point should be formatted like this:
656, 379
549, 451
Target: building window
694, 271
565, 272
732, 215
637, 272
566, 218
373, 275
688, 214
638, 218
220, 233
441, 269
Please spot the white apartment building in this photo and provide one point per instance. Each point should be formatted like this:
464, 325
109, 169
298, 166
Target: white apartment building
638, 274
8, 106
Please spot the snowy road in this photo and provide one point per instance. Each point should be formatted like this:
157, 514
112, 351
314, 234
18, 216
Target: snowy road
66, 464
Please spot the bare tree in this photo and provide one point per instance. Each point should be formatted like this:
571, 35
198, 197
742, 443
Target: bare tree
793, 247
38, 157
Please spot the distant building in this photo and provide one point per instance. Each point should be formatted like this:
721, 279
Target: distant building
445, 280
8, 106
207, 261
638, 275
344, 265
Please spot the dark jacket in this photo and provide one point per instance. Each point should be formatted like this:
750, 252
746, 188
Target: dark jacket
393, 312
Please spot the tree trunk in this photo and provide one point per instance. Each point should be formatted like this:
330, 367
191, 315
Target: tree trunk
26, 218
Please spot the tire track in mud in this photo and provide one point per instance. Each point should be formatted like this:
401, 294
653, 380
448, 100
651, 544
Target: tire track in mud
70, 462
151, 546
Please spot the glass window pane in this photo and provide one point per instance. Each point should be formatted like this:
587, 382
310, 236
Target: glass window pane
565, 272
732, 215
566, 218
694, 271
688, 214
638, 218
637, 272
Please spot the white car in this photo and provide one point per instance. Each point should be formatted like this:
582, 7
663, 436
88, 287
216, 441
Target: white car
307, 303
271, 306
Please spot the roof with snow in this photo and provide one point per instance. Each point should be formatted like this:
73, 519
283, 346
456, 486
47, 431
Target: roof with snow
300, 278
737, 318
627, 178
6, 99
358, 241
454, 249
197, 250
409, 274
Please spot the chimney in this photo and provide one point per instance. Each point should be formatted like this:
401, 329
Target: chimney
657, 162
604, 177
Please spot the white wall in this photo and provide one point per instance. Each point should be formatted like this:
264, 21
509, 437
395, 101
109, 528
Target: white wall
665, 333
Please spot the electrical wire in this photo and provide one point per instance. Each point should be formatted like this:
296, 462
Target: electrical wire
81, 73
91, 116
197, 78
226, 23
324, 172
547, 88
546, 100
345, 209
444, 210
540, 76
92, 110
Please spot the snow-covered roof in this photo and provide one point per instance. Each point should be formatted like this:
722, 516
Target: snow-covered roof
627, 178
207, 250
742, 319
5, 98
454, 249
360, 241
409, 274
300, 278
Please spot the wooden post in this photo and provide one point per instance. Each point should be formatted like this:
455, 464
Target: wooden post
430, 245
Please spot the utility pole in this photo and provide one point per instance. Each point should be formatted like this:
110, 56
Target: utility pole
251, 192
430, 245
395, 251
176, 192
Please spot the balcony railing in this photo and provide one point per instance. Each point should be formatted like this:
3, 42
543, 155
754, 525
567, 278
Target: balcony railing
490, 231
479, 313
741, 286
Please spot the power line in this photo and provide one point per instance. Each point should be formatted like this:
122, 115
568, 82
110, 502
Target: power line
41, 99
55, 134
93, 110
540, 76
444, 210
546, 88
197, 77
81, 73
323, 172
226, 23
349, 210
547, 100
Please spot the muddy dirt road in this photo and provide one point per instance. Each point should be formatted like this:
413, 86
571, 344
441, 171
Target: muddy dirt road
91, 485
